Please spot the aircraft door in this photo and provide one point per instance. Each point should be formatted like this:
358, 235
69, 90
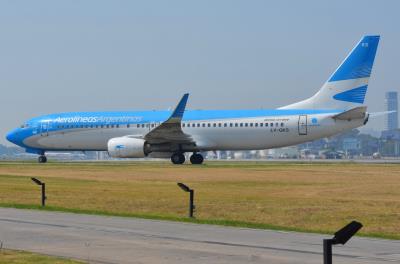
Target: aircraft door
302, 124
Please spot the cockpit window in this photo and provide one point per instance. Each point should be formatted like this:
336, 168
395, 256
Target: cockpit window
24, 125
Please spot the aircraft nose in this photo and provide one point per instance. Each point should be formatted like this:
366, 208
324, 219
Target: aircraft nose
12, 136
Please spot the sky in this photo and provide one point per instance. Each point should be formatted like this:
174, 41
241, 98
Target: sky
61, 56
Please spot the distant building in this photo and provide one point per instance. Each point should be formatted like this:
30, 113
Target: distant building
391, 105
351, 144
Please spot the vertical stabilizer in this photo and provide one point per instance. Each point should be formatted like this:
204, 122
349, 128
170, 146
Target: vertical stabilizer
347, 86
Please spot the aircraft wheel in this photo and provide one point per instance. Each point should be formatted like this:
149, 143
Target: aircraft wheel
42, 159
178, 158
196, 158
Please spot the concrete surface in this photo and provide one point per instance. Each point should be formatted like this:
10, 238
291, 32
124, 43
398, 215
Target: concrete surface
102, 239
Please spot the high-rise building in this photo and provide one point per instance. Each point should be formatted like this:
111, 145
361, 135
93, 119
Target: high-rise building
392, 105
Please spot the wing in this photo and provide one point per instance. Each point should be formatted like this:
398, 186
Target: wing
170, 131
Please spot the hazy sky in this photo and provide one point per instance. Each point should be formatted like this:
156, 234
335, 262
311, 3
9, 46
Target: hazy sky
58, 56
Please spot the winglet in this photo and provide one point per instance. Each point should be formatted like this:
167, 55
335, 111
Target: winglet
177, 114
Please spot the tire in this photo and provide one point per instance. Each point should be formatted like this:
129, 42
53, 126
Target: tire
42, 159
178, 158
196, 158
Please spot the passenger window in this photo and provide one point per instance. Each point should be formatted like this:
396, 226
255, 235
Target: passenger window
117, 126
245, 124
276, 124
112, 126
108, 126
251, 124
209, 125
204, 124
281, 124
225, 124
183, 124
261, 124
219, 124
256, 124
241, 124
230, 124
236, 124
215, 125
198, 124
272, 124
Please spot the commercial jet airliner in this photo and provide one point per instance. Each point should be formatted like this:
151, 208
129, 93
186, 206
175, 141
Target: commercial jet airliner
336, 107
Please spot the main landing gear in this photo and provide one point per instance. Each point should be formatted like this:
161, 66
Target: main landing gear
42, 159
196, 158
179, 158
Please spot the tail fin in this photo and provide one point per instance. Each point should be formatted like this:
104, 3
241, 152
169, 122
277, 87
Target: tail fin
347, 86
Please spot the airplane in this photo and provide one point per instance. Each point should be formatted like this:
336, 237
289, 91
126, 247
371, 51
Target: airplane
338, 106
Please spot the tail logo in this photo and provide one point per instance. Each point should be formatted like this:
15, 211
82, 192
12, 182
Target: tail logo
356, 95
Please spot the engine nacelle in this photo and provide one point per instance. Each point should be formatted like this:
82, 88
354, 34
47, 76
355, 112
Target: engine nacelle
126, 147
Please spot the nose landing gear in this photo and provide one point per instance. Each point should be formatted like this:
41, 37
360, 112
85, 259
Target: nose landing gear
42, 159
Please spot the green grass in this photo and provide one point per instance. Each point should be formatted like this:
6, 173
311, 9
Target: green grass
22, 257
302, 197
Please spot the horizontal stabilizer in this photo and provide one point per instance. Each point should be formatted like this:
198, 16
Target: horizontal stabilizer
381, 113
355, 113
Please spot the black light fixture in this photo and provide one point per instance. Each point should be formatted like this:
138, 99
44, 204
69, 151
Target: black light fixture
38, 182
341, 237
186, 188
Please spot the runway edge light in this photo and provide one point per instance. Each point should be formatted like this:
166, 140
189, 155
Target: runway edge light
186, 188
43, 185
341, 237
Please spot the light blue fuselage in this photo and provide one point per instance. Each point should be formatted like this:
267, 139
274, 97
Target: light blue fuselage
211, 129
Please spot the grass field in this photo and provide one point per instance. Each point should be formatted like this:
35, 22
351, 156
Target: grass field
22, 257
313, 197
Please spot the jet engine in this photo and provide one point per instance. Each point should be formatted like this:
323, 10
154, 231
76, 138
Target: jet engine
127, 147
